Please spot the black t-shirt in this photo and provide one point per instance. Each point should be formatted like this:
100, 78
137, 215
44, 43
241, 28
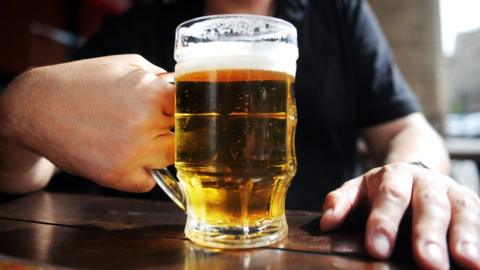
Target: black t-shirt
346, 78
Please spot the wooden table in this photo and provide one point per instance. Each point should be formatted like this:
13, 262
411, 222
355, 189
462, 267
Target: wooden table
55, 231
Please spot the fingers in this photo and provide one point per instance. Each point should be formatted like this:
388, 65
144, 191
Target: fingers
158, 100
161, 152
431, 217
464, 234
158, 79
437, 203
167, 76
158, 154
168, 98
392, 193
136, 181
339, 203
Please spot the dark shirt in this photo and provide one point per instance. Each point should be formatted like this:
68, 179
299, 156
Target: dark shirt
346, 79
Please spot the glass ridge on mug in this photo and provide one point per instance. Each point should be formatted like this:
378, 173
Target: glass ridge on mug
235, 125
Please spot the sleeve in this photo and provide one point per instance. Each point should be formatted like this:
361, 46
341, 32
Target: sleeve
382, 92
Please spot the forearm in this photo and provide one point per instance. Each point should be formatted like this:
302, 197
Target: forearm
407, 139
423, 144
21, 170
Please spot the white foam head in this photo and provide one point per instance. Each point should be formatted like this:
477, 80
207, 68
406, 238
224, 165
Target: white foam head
237, 55
236, 41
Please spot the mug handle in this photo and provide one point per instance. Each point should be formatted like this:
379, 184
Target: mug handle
171, 186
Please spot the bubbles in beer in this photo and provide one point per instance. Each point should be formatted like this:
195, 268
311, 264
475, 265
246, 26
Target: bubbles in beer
235, 125
234, 156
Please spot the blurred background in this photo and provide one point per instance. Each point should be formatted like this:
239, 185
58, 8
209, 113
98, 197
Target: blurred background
436, 44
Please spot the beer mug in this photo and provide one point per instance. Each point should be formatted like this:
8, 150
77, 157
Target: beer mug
235, 124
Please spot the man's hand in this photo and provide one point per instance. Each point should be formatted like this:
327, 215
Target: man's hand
107, 119
441, 209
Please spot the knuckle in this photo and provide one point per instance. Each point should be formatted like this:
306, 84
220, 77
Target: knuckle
331, 195
461, 202
394, 166
136, 57
383, 222
373, 171
395, 193
386, 169
156, 97
464, 197
433, 198
466, 202
138, 119
147, 85
392, 170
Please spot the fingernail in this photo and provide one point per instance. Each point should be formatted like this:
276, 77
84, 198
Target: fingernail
470, 251
381, 244
328, 212
434, 254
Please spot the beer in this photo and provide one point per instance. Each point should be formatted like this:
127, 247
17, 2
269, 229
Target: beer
235, 121
234, 145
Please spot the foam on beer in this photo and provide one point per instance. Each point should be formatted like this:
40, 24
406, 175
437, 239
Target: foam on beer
236, 55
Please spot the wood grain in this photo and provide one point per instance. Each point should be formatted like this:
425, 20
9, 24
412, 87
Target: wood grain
93, 232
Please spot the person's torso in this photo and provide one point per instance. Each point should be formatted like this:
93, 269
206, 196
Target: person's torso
326, 101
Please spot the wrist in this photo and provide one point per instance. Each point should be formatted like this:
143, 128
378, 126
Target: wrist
14, 105
21, 169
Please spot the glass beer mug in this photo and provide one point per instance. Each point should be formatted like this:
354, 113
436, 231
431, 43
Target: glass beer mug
234, 128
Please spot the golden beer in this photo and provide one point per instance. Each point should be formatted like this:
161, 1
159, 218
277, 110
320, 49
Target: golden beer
235, 124
234, 132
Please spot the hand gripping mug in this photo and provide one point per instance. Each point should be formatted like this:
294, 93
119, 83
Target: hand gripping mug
235, 125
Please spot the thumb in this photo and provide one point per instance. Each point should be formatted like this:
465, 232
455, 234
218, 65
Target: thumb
161, 152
